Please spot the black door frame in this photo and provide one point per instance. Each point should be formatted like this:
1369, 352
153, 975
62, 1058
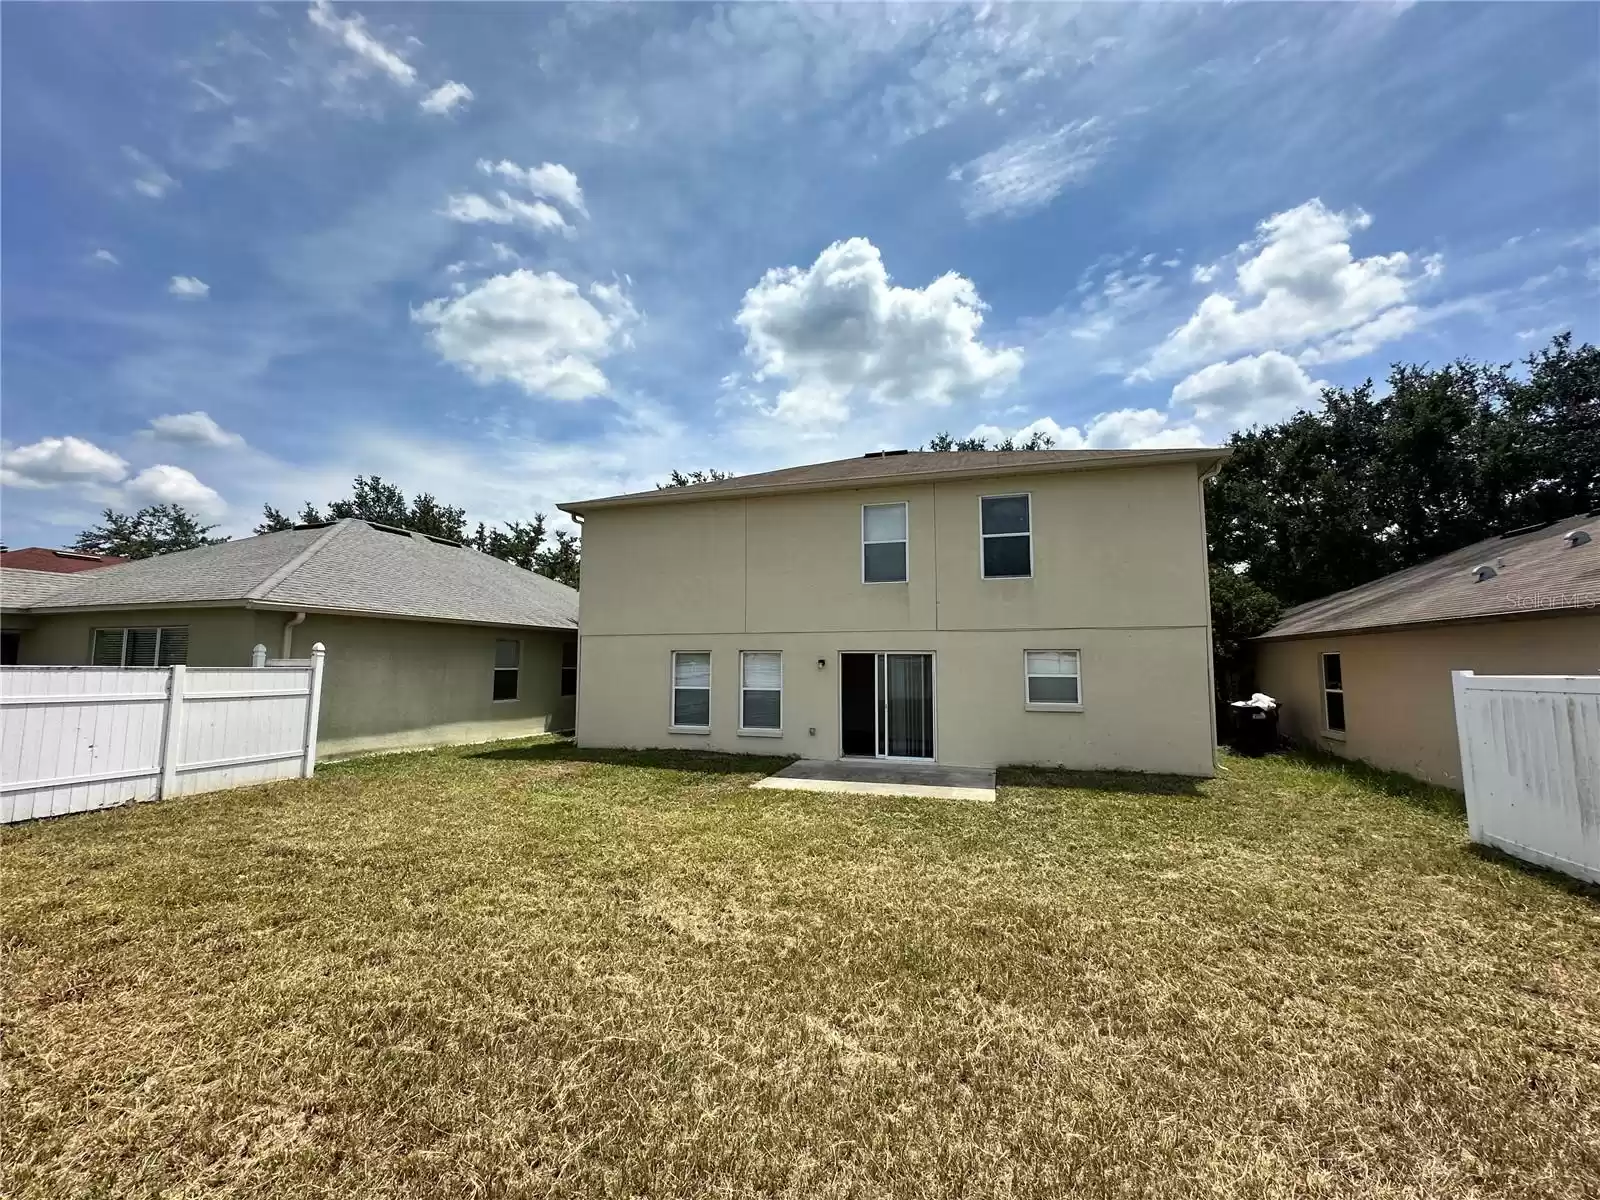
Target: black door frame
877, 705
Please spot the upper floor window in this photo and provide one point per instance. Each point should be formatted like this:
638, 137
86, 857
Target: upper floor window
1007, 536
162, 647
507, 665
883, 543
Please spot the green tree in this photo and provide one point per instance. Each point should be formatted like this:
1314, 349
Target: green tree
685, 478
156, 529
1239, 611
1037, 440
523, 543
561, 561
1373, 483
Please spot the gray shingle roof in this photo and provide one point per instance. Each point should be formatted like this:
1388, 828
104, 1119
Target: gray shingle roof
20, 588
348, 566
900, 465
1537, 571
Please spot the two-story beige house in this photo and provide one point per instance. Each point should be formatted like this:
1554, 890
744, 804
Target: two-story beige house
969, 609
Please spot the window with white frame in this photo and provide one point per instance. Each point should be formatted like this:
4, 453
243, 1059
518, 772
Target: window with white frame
884, 542
1052, 679
163, 646
760, 691
691, 690
1006, 526
1332, 693
507, 666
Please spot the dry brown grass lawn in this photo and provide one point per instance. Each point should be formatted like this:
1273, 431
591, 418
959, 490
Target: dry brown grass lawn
535, 971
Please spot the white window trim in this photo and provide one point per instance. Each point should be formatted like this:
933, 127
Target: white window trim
1030, 705
124, 630
743, 731
1322, 684
983, 537
906, 541
518, 669
672, 692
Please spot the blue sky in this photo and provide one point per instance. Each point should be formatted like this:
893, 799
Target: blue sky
522, 254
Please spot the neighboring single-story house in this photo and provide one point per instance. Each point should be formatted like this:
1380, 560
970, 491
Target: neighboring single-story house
963, 608
63, 562
1366, 673
428, 642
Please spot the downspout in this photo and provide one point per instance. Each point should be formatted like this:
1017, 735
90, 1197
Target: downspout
1211, 650
288, 633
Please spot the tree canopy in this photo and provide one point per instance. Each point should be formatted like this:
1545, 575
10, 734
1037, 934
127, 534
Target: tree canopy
156, 529
1373, 482
1037, 440
527, 544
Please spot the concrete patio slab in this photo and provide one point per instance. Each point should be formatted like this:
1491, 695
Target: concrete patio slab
864, 777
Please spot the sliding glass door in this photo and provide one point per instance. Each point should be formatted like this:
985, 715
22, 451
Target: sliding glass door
886, 705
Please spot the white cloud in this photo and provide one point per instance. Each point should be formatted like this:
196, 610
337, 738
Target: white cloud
151, 179
352, 33
194, 429
1122, 429
188, 286
1030, 171
1364, 339
550, 180
164, 484
105, 256
1260, 389
537, 331
1300, 286
839, 329
473, 209
52, 461
446, 98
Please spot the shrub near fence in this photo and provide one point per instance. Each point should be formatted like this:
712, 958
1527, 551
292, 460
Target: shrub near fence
74, 739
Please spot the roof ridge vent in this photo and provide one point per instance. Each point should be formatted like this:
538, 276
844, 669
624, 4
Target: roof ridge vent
1576, 537
1520, 530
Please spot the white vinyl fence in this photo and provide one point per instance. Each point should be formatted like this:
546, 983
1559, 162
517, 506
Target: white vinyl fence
1530, 765
73, 739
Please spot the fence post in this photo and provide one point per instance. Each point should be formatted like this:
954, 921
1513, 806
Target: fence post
1459, 689
308, 765
258, 655
170, 746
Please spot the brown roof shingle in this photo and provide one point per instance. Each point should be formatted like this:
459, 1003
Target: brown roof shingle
65, 562
1538, 571
892, 466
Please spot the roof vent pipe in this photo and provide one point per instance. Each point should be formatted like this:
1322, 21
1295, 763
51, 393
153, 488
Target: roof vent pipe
1578, 537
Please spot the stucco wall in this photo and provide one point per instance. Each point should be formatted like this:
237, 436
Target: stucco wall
218, 637
1119, 573
1399, 711
387, 683
1129, 676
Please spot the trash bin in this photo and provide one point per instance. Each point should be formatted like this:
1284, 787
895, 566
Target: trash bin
1255, 725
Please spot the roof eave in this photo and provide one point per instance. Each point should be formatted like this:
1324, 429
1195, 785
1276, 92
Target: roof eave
1517, 614
1212, 458
287, 606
